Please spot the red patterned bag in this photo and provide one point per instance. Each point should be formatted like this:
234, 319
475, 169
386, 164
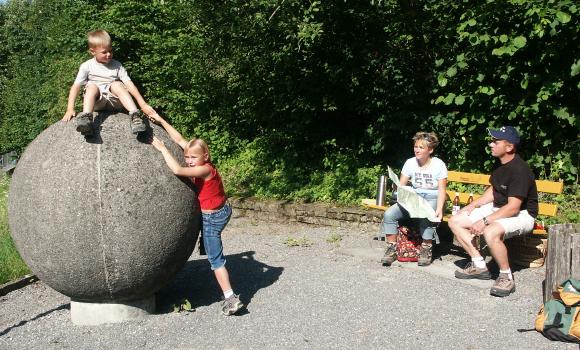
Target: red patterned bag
408, 244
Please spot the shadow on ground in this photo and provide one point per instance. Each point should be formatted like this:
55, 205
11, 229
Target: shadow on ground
196, 281
23, 322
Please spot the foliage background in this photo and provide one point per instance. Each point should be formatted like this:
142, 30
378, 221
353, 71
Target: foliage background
310, 100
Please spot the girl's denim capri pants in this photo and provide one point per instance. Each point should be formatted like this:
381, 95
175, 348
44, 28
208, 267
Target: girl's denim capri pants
212, 226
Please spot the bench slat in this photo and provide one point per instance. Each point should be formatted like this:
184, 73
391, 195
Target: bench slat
547, 209
469, 178
371, 203
483, 179
550, 186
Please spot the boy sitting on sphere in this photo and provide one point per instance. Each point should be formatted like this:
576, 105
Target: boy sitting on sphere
107, 86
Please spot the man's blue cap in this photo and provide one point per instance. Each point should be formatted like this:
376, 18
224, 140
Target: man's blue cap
508, 133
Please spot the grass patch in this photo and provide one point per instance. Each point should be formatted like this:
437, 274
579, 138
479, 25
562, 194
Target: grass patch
11, 265
334, 238
298, 242
183, 305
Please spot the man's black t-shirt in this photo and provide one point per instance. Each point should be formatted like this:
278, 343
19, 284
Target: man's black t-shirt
515, 179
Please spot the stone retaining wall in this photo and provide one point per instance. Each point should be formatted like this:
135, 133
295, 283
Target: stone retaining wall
309, 213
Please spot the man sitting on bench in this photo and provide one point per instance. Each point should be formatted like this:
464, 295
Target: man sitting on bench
507, 208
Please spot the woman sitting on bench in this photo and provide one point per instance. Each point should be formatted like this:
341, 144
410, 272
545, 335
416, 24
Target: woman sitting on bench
428, 176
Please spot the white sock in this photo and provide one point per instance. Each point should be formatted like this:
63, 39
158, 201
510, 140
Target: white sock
228, 293
479, 262
508, 272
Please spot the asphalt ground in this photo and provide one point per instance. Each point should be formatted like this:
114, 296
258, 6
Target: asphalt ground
327, 292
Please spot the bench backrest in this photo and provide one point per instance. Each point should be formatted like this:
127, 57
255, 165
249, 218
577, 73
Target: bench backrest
543, 186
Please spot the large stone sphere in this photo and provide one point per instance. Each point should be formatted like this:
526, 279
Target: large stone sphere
102, 218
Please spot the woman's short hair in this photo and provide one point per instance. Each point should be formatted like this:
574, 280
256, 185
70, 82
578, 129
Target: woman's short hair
428, 137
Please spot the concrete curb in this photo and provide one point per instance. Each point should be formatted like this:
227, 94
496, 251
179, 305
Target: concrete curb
17, 284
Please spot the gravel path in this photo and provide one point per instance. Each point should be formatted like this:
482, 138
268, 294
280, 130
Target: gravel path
325, 295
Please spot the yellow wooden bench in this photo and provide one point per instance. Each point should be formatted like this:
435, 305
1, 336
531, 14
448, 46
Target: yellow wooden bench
544, 186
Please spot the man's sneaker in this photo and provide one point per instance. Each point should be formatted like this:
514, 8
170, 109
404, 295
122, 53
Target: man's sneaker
425, 254
472, 272
137, 123
503, 286
85, 123
231, 305
390, 254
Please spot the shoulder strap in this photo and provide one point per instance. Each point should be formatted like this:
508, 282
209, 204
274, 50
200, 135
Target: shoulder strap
556, 323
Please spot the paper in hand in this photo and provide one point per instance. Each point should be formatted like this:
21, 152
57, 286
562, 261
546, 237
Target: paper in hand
416, 205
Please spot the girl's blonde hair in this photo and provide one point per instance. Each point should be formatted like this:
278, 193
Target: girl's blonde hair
98, 38
428, 137
201, 144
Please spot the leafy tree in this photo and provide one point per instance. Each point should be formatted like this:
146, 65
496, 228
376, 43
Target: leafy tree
514, 64
42, 47
311, 99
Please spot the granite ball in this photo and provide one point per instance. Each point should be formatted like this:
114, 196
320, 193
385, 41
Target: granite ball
102, 218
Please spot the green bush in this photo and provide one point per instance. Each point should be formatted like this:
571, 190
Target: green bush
340, 178
568, 210
506, 66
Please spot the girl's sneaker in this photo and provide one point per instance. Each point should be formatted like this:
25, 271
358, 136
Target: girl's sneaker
231, 305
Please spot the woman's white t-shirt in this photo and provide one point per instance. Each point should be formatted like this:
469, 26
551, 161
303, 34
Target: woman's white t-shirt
425, 180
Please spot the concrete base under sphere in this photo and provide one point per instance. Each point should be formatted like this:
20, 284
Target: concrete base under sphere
92, 314
102, 219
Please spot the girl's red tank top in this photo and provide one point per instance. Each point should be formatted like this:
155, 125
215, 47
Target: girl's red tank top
211, 193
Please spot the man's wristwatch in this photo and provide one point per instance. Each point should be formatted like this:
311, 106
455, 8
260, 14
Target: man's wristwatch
485, 222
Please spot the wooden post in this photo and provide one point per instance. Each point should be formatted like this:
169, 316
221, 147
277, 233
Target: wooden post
563, 258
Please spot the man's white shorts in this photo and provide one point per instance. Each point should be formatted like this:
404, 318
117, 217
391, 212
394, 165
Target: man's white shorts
513, 226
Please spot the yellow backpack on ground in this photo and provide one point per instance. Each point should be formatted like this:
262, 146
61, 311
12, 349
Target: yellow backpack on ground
559, 318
